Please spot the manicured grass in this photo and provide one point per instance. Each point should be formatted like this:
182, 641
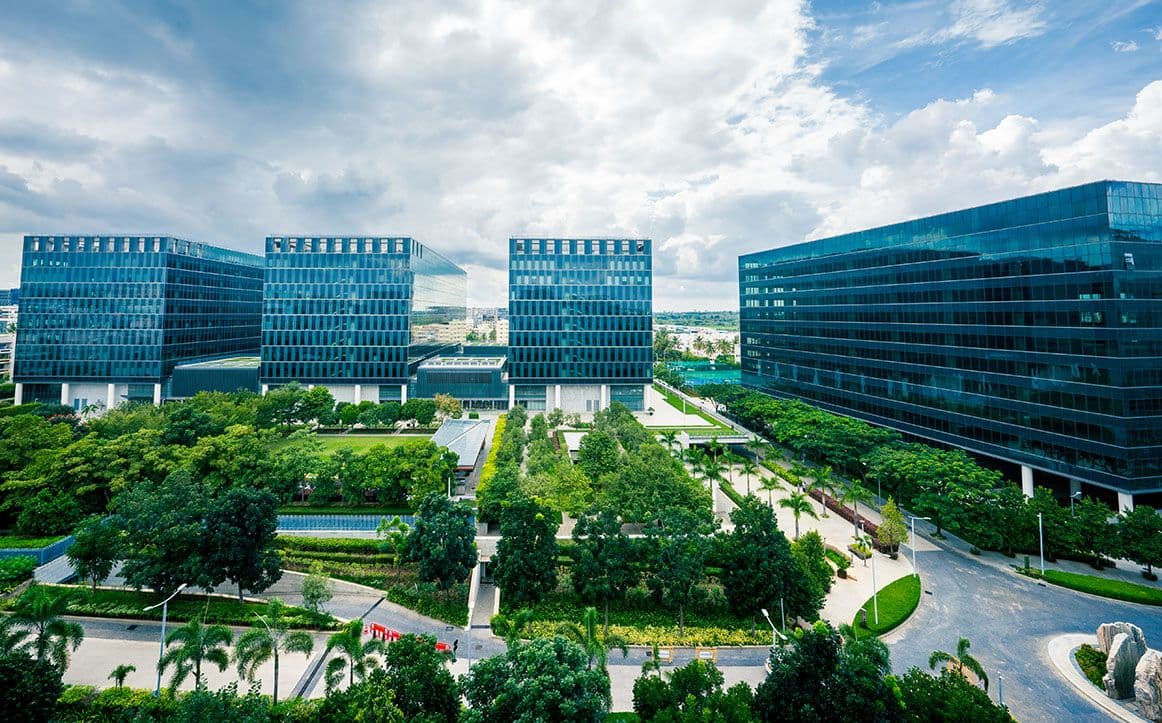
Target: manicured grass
131, 604
897, 601
1105, 587
1093, 664
363, 442
20, 541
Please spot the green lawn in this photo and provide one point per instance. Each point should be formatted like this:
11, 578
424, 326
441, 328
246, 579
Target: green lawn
897, 601
131, 604
19, 541
676, 402
1105, 587
363, 442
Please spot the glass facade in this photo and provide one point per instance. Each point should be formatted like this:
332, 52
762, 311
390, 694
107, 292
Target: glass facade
580, 311
1029, 330
357, 309
130, 308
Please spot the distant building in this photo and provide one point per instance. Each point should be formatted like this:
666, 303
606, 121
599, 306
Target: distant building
357, 314
1028, 331
10, 298
501, 332
7, 346
477, 381
580, 323
105, 319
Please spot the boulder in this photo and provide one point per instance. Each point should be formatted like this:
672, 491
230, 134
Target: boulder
1121, 664
1148, 685
1107, 631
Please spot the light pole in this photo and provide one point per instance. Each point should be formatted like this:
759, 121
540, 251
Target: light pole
775, 634
1041, 538
164, 610
1075, 496
915, 570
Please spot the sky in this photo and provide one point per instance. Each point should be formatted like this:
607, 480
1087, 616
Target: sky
713, 128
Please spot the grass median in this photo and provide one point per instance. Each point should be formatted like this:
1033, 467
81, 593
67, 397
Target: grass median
897, 601
1105, 587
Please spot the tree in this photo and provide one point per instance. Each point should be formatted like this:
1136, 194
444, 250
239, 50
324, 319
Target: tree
892, 530
821, 479
164, 537
769, 485
449, 406
799, 505
947, 697
1093, 529
1058, 529
415, 672
855, 494
260, 644
240, 530
595, 646
758, 569
811, 554
555, 418
316, 589
120, 673
394, 533
1140, 536
692, 693
603, 559
191, 645
679, 543
648, 481
52, 637
356, 656
30, 689
962, 663
525, 564
749, 468
185, 424
598, 455
545, 680
442, 541
369, 701
96, 548
316, 404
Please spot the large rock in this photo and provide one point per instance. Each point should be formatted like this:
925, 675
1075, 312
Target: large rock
1107, 631
1121, 664
1148, 685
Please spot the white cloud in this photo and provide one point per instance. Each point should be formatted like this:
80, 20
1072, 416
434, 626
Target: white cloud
988, 23
1124, 46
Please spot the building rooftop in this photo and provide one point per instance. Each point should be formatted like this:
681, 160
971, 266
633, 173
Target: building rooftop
463, 437
469, 362
238, 362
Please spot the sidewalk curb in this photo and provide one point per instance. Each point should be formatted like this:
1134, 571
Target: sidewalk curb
1060, 650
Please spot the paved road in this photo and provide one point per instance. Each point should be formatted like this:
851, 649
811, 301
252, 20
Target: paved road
1010, 620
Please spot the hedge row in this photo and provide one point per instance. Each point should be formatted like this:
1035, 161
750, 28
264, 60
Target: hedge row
327, 544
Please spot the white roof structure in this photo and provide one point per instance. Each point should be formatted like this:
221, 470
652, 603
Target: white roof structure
464, 437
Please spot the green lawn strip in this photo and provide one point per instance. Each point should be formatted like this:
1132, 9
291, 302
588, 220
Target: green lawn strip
212, 610
1105, 587
355, 545
729, 490
363, 442
676, 402
22, 542
646, 623
1093, 663
897, 601
388, 512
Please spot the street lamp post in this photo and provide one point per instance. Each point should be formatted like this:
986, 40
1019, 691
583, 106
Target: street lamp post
775, 634
915, 570
164, 610
1075, 496
1041, 538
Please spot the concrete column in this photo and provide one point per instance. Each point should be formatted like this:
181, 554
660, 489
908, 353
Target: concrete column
1125, 502
19, 398
1027, 480
604, 396
265, 389
403, 393
111, 396
511, 396
1074, 486
157, 394
65, 395
557, 396
648, 396
358, 393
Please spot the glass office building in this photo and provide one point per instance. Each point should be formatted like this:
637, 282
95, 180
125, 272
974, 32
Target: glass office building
580, 323
357, 314
1029, 331
104, 319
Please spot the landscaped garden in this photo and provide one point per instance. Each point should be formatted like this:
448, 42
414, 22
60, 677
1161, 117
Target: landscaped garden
1103, 586
331, 443
896, 600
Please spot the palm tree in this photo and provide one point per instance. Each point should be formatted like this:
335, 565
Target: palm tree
825, 483
53, 638
120, 673
695, 457
756, 445
510, 627
855, 494
731, 459
748, 468
596, 646
798, 504
357, 656
12, 638
770, 484
257, 645
670, 438
962, 663
193, 644
712, 470
716, 448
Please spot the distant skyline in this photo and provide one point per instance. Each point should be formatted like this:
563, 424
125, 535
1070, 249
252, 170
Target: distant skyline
714, 129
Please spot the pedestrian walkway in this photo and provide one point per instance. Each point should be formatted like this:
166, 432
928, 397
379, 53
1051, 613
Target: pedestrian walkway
55, 571
485, 606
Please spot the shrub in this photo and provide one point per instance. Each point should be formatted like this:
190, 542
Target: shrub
15, 570
1093, 664
327, 544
